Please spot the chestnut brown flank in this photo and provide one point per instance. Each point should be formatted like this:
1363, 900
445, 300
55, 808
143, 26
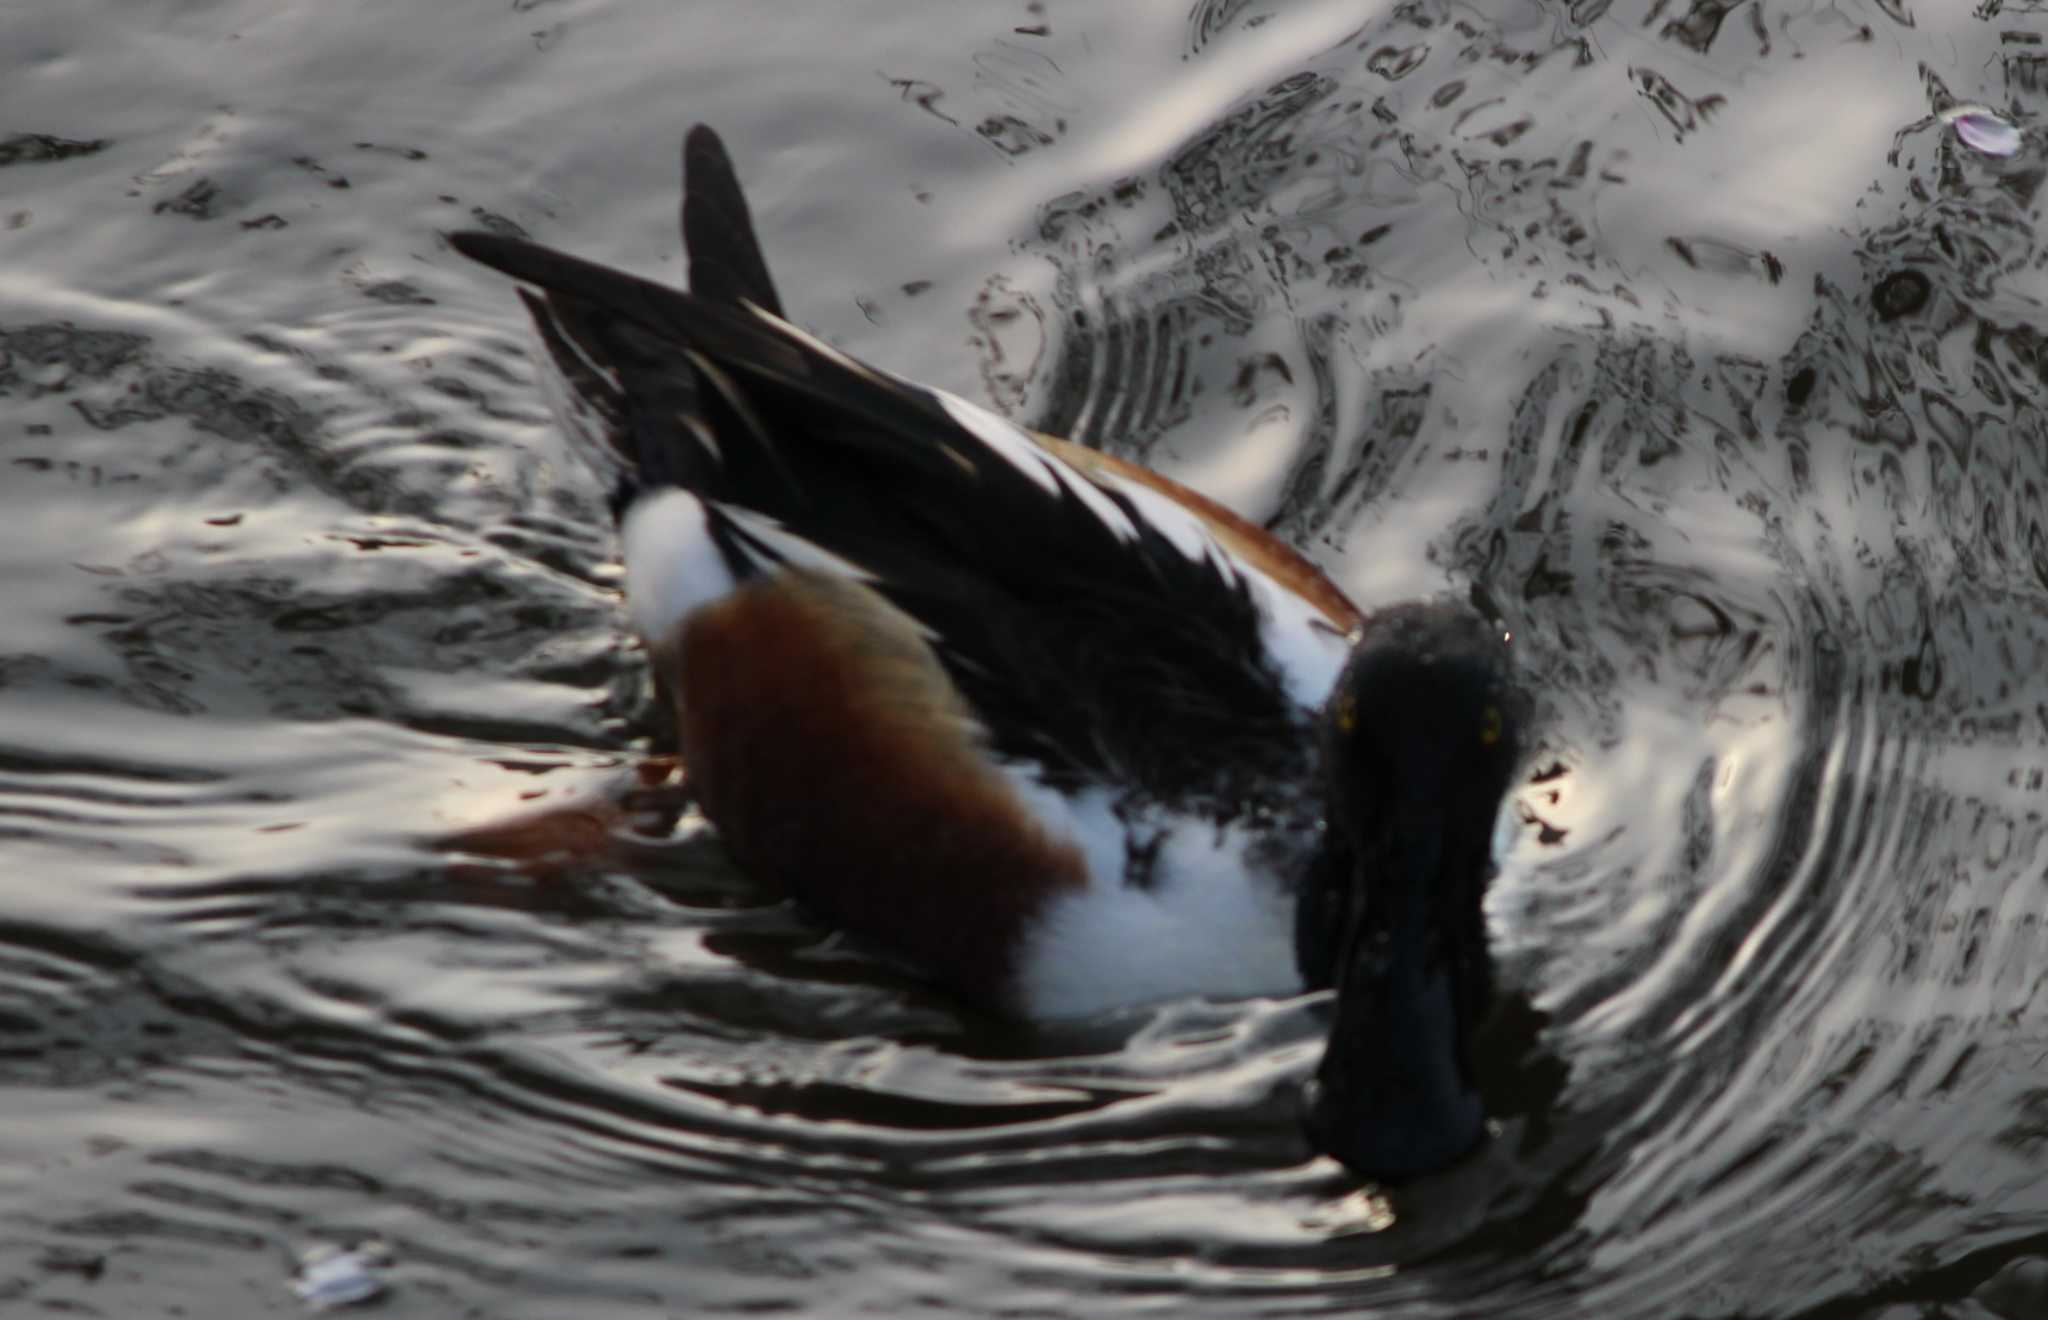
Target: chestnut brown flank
1252, 543
826, 743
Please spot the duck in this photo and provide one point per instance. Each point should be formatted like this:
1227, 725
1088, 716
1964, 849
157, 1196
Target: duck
1063, 734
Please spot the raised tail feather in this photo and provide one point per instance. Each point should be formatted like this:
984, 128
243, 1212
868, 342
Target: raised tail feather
726, 265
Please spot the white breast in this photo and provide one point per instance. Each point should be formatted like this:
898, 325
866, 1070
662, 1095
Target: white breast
1209, 922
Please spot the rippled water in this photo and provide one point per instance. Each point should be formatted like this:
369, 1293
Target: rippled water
1695, 340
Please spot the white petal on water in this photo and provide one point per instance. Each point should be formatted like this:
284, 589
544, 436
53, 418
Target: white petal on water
331, 1275
1984, 130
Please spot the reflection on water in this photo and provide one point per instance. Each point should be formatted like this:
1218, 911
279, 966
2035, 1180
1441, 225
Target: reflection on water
1698, 341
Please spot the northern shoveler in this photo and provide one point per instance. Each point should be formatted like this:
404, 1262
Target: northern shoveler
1062, 732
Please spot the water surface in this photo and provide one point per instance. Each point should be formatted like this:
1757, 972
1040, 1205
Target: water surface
1696, 341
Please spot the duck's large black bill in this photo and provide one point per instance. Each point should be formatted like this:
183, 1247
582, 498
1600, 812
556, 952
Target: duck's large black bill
1394, 1097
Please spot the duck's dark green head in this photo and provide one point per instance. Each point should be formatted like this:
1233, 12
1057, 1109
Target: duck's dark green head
1421, 737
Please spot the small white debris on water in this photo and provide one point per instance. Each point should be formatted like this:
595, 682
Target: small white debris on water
1363, 1211
331, 1275
1983, 130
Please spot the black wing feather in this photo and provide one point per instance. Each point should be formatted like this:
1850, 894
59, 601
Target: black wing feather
1100, 656
726, 264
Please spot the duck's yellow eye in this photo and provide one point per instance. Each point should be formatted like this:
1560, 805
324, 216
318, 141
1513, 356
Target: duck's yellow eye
1489, 726
1346, 713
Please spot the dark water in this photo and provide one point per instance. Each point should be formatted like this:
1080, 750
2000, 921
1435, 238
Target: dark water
1690, 338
